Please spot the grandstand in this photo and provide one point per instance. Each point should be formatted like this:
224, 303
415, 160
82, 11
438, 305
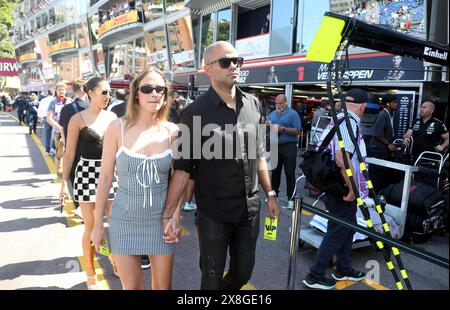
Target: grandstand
401, 15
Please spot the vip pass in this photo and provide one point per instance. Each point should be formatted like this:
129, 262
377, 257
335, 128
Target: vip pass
270, 228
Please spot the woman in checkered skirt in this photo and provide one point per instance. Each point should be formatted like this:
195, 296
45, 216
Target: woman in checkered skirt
87, 129
138, 147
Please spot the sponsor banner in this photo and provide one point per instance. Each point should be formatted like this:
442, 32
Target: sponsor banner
404, 112
253, 47
61, 46
127, 18
156, 57
47, 69
101, 68
435, 53
9, 67
29, 56
363, 67
183, 57
35, 87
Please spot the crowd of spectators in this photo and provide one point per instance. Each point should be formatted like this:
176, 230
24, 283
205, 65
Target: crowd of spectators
400, 15
119, 9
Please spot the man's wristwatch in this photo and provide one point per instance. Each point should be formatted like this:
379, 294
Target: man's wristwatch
284, 129
271, 193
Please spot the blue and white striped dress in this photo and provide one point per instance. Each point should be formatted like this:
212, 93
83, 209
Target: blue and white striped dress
135, 222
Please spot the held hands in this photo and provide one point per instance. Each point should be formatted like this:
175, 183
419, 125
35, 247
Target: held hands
172, 231
273, 207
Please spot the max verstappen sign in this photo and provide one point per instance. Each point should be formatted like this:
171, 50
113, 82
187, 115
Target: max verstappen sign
9, 67
362, 67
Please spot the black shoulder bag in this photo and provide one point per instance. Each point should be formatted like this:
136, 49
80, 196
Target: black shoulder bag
321, 171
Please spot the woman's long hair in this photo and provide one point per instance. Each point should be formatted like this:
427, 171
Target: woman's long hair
133, 99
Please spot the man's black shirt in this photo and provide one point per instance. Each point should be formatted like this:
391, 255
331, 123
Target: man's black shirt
67, 112
226, 190
382, 128
120, 109
427, 135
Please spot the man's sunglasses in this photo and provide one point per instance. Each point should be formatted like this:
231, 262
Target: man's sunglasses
226, 62
147, 89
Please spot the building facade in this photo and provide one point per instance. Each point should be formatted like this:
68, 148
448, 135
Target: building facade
52, 42
116, 39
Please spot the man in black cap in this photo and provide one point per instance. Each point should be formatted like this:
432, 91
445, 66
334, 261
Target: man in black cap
338, 239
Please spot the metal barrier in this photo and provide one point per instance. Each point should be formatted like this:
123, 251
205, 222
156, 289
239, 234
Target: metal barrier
299, 205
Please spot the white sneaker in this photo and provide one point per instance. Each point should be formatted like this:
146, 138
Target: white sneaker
46, 154
53, 152
290, 205
189, 206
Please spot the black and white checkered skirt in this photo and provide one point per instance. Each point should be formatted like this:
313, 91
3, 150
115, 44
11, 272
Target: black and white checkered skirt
86, 181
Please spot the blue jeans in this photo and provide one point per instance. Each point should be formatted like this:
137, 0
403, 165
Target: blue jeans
338, 240
47, 135
215, 238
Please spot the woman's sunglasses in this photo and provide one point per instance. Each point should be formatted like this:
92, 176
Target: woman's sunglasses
226, 62
106, 92
147, 89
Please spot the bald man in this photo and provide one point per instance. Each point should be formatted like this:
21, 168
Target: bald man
286, 122
429, 133
226, 188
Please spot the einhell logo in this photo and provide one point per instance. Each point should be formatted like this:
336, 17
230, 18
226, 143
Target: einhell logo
435, 53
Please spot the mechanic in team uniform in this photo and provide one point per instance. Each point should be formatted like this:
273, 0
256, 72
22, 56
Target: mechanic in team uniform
429, 133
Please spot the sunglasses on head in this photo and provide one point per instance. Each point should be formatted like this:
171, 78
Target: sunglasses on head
226, 62
147, 89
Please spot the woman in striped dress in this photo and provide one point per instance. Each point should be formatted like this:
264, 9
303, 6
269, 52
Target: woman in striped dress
138, 146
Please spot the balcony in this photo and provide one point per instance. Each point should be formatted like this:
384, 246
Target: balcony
64, 47
24, 39
27, 58
39, 7
120, 27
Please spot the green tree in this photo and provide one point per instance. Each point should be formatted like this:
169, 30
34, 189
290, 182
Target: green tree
6, 21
